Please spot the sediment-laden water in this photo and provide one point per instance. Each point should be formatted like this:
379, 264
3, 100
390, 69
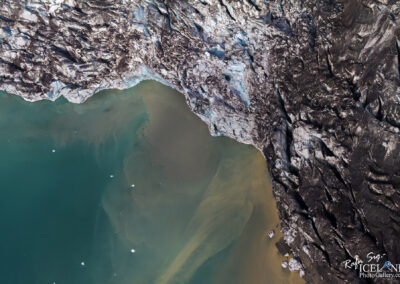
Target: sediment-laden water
129, 187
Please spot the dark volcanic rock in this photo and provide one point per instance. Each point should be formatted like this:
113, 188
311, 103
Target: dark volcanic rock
313, 84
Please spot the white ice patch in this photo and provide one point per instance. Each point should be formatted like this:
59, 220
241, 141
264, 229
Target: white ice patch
301, 140
294, 265
142, 74
236, 71
55, 90
390, 146
28, 16
289, 236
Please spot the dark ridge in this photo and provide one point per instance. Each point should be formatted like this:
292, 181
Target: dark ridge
281, 105
398, 57
105, 61
227, 10
336, 173
199, 30
5, 19
288, 143
215, 128
331, 217
11, 65
64, 53
380, 115
311, 30
328, 62
79, 10
326, 255
315, 229
328, 195
159, 46
252, 3
354, 90
300, 201
325, 150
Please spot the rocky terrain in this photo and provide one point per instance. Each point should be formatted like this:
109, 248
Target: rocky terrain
315, 85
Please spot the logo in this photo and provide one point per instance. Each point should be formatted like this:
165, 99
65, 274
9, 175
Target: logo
374, 266
387, 264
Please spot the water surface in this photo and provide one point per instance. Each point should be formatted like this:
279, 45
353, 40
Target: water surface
129, 187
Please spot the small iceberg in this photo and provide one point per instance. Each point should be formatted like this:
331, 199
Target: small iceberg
271, 234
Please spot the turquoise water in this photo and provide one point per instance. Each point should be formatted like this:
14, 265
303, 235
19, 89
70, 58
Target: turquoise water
129, 187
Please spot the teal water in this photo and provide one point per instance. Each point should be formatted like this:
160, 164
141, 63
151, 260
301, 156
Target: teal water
129, 187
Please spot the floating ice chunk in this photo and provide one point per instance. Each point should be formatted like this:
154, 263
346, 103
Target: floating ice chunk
133, 250
111, 176
132, 185
83, 263
53, 151
271, 234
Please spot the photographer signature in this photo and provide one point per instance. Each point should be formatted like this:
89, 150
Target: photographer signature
371, 256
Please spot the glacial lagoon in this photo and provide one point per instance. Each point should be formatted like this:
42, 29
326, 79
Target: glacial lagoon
130, 188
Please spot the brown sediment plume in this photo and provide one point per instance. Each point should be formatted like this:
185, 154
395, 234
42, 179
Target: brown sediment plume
225, 205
